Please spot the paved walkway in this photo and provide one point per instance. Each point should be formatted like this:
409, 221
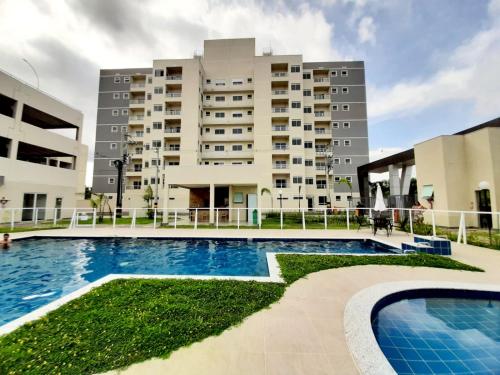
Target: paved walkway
303, 333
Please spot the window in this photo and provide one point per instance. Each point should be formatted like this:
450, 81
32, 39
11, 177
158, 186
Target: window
207, 114
280, 183
145, 182
237, 114
249, 96
237, 131
335, 125
308, 127
336, 161
346, 125
249, 80
116, 95
114, 129
219, 131
220, 82
220, 98
295, 86
158, 90
344, 73
296, 123
297, 179
113, 146
249, 162
295, 104
117, 80
148, 96
156, 144
345, 90
155, 162
297, 160
125, 112
249, 146
308, 162
309, 181
148, 130
336, 178
111, 163
220, 114
115, 112
159, 72
347, 142
158, 108
157, 125
338, 198
336, 142
249, 113
308, 145
307, 110
296, 141
237, 148
335, 107
237, 98
335, 90
320, 184
348, 160
249, 129
219, 148
126, 79
207, 130
295, 69
345, 107
111, 181
237, 82
348, 178
307, 92
124, 129
207, 97
333, 73
126, 95
208, 81
322, 200
306, 76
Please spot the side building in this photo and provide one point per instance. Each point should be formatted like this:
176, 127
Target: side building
230, 129
42, 158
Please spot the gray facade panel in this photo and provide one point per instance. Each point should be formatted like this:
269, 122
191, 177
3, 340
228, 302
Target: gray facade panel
105, 133
100, 185
107, 100
103, 150
359, 146
108, 84
105, 116
334, 64
356, 111
356, 94
358, 128
355, 77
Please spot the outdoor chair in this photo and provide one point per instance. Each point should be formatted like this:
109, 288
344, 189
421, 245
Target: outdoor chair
382, 221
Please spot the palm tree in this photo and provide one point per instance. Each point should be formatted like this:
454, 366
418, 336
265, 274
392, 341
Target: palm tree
267, 191
148, 198
100, 203
345, 181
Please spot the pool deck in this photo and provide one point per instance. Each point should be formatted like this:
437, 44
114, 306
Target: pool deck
303, 333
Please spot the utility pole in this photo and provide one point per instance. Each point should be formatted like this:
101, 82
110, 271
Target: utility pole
119, 165
329, 167
157, 150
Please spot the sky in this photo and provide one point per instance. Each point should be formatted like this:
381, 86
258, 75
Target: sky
432, 67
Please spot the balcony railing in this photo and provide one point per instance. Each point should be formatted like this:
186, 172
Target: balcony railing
320, 186
136, 117
279, 74
319, 114
133, 187
138, 134
280, 186
173, 94
280, 166
173, 112
137, 85
280, 92
172, 148
177, 77
322, 131
320, 167
280, 147
172, 130
323, 79
136, 101
321, 96
280, 109
280, 128
134, 170
321, 151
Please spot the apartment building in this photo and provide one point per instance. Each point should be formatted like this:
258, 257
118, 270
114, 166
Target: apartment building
221, 128
42, 159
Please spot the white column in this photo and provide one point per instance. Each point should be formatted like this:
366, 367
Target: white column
212, 204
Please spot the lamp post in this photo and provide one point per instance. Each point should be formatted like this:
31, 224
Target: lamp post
300, 196
280, 192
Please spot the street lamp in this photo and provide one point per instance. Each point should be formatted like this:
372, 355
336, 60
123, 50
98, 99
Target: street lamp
300, 196
280, 192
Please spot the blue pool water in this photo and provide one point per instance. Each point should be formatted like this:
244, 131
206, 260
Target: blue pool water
34, 272
440, 335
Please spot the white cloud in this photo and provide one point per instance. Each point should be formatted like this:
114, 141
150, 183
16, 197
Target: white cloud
367, 30
95, 34
469, 74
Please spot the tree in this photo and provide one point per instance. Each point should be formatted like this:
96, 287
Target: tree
267, 191
345, 181
148, 198
101, 203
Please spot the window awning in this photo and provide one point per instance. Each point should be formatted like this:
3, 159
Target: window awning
427, 191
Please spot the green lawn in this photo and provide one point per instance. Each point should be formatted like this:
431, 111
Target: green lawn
129, 321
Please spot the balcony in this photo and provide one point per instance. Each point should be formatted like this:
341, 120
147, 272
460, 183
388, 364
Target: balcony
321, 151
133, 187
280, 186
173, 95
279, 109
322, 81
280, 166
172, 130
322, 99
137, 134
213, 120
135, 118
279, 74
137, 86
280, 147
172, 112
136, 102
280, 128
176, 77
323, 133
173, 148
227, 154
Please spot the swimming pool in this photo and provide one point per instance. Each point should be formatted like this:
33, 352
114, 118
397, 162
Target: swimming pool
36, 271
440, 331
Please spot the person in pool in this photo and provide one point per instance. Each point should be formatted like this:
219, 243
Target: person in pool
5, 242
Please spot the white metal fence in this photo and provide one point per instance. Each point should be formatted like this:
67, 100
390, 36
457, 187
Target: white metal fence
455, 224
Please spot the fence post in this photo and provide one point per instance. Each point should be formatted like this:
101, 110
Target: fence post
132, 222
411, 221
216, 218
74, 219
94, 214
281, 218
175, 218
36, 215
325, 220
259, 218
12, 213
465, 230
238, 218
347, 216
114, 218
392, 214
54, 220
460, 227
433, 224
303, 220
154, 219
195, 218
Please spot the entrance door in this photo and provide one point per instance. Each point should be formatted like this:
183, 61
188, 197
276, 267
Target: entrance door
41, 203
310, 202
484, 204
251, 206
58, 208
32, 201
